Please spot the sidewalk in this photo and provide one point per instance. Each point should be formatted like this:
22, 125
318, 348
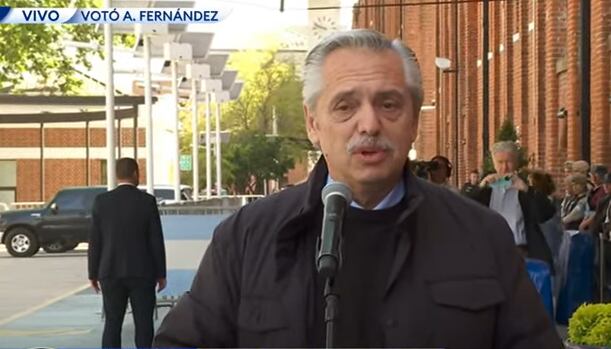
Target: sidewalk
74, 322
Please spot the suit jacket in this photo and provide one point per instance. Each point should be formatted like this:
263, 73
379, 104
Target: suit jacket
456, 280
536, 209
126, 237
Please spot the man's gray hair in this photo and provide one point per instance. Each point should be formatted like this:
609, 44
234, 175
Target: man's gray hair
504, 147
359, 38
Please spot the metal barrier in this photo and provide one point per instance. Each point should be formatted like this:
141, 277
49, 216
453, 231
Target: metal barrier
225, 204
196, 210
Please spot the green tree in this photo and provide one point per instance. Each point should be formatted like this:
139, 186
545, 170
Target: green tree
270, 85
251, 154
38, 49
507, 132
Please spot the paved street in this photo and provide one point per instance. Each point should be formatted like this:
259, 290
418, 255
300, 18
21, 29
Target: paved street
27, 284
46, 300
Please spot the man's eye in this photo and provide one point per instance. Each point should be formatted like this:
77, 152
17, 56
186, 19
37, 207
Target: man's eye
389, 105
342, 107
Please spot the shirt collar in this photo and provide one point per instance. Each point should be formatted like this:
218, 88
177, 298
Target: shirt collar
390, 200
125, 183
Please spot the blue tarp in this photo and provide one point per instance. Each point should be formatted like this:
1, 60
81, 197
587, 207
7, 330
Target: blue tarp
577, 287
540, 275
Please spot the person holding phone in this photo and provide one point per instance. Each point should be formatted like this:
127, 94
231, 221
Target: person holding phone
523, 207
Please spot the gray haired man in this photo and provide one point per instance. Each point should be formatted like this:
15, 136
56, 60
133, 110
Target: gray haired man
421, 266
522, 206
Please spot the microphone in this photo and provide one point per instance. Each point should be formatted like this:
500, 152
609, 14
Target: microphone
335, 197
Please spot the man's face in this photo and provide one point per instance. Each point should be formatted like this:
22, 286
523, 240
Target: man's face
607, 188
571, 188
440, 174
473, 178
505, 162
596, 179
364, 119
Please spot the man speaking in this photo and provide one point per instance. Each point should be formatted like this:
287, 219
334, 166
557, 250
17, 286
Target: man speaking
420, 267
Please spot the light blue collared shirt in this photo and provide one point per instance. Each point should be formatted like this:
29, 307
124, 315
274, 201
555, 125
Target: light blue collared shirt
505, 200
390, 200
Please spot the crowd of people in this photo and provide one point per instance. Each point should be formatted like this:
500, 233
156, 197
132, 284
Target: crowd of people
538, 211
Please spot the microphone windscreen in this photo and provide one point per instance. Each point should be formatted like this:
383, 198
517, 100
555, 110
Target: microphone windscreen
336, 188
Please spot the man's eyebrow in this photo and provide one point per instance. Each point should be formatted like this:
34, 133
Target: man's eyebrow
342, 95
390, 93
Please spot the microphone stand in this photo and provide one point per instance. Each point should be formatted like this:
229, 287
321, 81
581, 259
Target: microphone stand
331, 310
336, 197
328, 264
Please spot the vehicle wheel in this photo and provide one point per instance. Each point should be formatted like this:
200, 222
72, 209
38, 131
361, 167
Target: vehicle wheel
21, 242
57, 246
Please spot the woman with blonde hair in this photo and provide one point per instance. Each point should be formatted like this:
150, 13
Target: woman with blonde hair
575, 204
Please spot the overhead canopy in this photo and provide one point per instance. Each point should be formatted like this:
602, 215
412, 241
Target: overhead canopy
22, 109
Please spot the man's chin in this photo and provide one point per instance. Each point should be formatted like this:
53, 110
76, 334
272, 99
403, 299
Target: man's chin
375, 176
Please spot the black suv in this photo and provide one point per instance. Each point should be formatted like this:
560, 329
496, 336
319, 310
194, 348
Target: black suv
58, 227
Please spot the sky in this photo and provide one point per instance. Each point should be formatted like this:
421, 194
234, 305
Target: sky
252, 22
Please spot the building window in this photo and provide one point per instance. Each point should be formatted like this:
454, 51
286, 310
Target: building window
8, 181
103, 171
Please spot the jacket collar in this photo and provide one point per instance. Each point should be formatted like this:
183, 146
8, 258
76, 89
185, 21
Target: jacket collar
318, 178
305, 218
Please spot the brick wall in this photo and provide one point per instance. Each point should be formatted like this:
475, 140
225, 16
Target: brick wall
64, 137
553, 51
28, 181
60, 173
534, 75
24, 137
600, 41
572, 103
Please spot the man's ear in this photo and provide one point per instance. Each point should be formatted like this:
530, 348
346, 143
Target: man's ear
311, 126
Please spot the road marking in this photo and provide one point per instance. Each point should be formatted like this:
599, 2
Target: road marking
43, 305
81, 247
43, 332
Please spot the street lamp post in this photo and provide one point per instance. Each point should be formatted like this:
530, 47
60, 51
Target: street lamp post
175, 52
196, 73
227, 79
111, 179
146, 31
445, 65
211, 86
220, 99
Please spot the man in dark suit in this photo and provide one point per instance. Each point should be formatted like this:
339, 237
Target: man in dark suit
127, 255
522, 206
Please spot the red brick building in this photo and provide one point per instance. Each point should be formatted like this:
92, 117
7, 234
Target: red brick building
534, 75
67, 149
65, 163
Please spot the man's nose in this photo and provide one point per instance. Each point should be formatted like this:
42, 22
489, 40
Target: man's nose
503, 168
368, 120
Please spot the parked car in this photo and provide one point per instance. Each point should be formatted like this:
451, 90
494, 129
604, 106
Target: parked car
57, 227
64, 222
